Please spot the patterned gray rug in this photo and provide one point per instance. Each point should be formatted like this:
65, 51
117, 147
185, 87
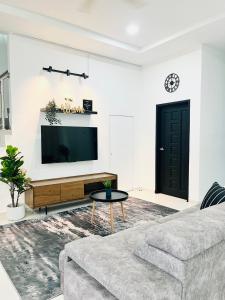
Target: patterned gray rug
29, 250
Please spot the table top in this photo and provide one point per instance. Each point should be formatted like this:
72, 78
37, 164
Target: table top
117, 196
96, 177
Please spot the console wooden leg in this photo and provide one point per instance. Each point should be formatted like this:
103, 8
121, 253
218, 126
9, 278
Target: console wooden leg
122, 209
46, 210
93, 212
111, 217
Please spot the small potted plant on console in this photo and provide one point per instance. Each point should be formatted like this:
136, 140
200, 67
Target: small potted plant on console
108, 188
12, 175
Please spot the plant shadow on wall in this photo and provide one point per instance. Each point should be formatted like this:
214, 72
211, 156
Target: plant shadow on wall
15, 177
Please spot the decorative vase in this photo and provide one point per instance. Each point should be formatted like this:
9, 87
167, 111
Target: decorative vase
108, 193
15, 213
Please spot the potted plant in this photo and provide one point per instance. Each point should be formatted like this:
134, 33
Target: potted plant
108, 188
15, 177
50, 113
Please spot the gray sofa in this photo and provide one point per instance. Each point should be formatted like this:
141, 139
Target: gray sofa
181, 256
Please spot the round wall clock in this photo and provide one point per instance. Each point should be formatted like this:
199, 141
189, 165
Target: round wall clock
172, 83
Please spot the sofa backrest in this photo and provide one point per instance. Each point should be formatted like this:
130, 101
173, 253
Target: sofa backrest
191, 249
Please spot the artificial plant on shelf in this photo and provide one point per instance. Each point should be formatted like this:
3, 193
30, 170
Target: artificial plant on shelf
108, 188
15, 177
50, 113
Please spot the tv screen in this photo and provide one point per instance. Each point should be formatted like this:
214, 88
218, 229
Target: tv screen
68, 144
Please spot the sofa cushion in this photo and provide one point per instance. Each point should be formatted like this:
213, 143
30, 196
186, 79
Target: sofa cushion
186, 237
215, 195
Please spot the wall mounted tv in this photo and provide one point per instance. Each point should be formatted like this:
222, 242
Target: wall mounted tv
68, 144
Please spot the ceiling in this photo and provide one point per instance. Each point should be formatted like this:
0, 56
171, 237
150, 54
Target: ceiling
166, 28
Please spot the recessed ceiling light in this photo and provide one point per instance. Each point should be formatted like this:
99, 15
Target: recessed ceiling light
132, 29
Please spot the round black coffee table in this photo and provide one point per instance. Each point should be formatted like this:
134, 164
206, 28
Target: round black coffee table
100, 196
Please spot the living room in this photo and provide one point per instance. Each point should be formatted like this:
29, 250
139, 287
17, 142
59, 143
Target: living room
101, 94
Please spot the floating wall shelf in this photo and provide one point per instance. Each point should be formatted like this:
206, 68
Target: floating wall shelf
60, 111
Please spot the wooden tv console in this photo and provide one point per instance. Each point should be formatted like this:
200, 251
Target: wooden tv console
44, 193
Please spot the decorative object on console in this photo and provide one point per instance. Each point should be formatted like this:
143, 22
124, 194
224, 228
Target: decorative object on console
73, 110
66, 107
87, 105
79, 110
215, 195
67, 72
172, 83
108, 188
50, 113
16, 179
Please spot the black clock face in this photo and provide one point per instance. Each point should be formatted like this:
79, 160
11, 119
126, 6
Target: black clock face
172, 83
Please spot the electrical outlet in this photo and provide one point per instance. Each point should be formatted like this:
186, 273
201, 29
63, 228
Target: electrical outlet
139, 189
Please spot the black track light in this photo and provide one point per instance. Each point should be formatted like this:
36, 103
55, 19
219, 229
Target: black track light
67, 72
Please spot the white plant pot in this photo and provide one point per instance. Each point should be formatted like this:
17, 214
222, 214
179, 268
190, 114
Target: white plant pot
15, 213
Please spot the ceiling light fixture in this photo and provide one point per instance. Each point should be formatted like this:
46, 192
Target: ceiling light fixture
132, 29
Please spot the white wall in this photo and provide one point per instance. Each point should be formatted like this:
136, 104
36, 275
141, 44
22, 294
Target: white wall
3, 54
117, 89
189, 69
212, 149
114, 88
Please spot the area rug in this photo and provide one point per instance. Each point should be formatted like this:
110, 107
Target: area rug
29, 249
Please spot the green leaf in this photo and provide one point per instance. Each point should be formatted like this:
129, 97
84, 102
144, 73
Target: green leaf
11, 172
107, 184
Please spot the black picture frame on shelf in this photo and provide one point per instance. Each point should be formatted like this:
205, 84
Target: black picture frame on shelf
87, 105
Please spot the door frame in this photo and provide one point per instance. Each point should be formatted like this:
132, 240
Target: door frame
157, 139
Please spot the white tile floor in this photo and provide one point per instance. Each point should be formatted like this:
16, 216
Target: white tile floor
162, 199
8, 292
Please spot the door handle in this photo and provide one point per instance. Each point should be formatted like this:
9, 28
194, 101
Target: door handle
161, 149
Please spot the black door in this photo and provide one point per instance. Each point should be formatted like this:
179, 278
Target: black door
172, 148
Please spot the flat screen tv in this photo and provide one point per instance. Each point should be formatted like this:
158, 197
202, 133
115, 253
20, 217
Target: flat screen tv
68, 144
